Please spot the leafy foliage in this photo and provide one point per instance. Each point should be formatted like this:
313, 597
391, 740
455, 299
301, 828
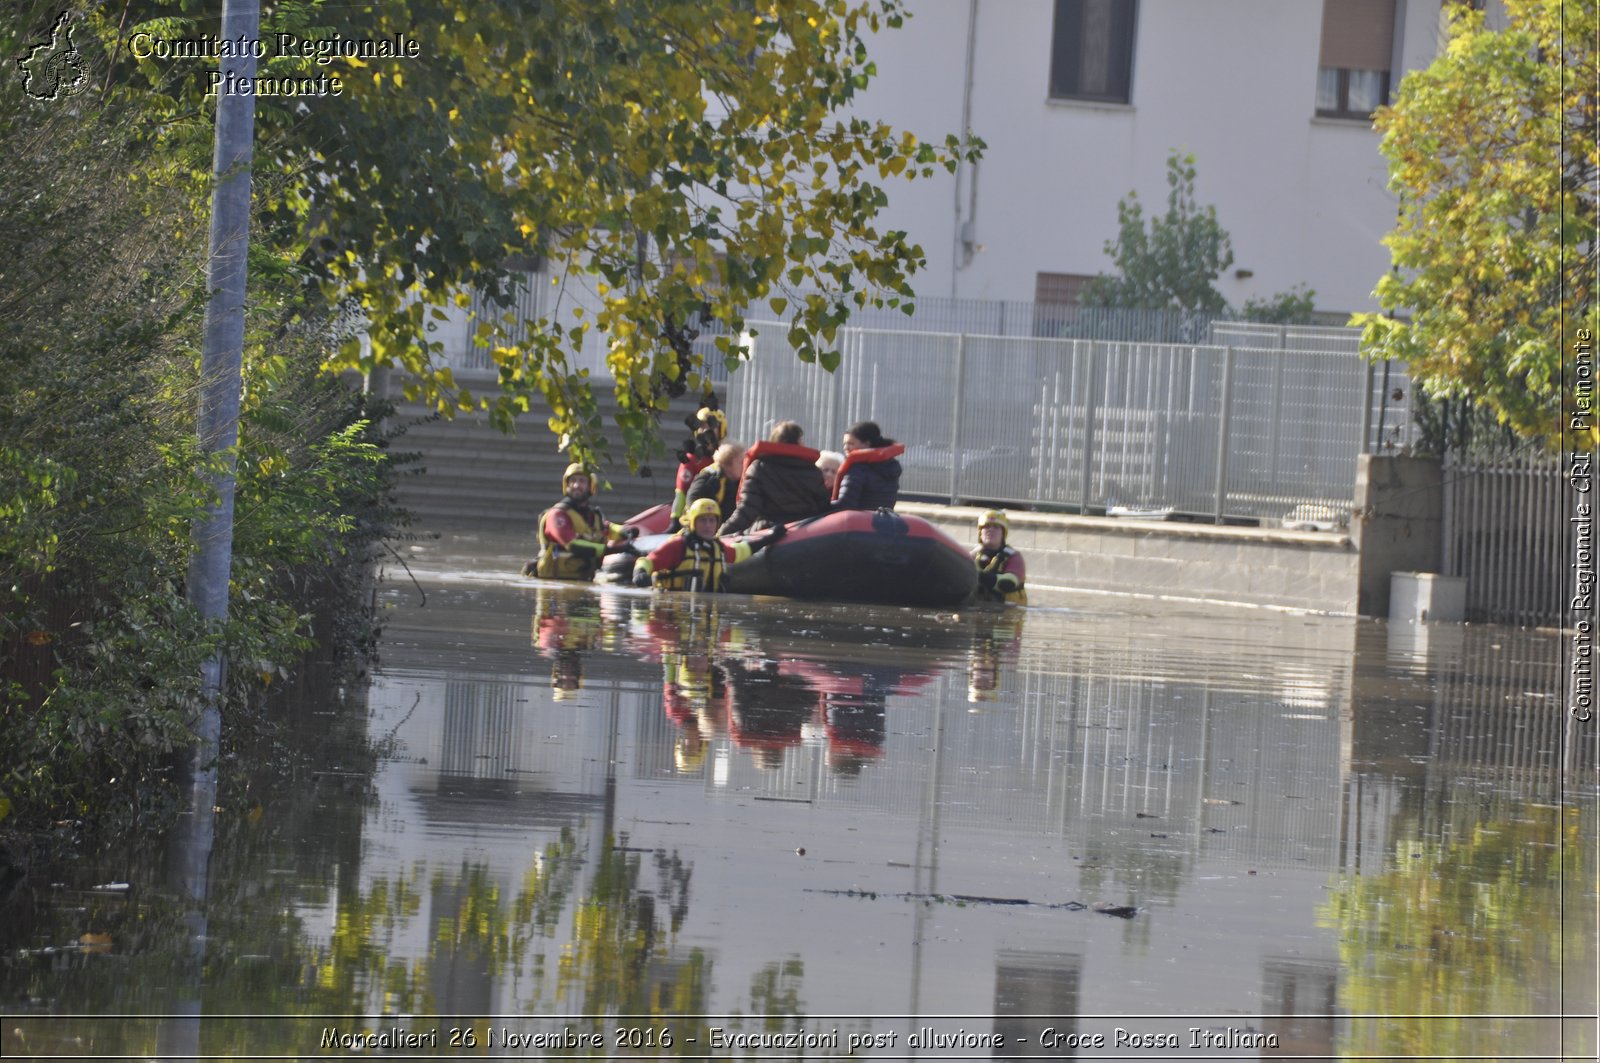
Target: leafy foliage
101, 292
1492, 150
1295, 306
1172, 262
1463, 927
669, 161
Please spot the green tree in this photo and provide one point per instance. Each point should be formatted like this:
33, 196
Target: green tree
1172, 262
1492, 151
680, 160
100, 293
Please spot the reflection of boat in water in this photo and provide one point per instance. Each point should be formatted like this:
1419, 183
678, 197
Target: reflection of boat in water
764, 686
851, 555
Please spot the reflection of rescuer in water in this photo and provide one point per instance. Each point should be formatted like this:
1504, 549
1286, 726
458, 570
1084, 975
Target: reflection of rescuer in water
574, 536
1001, 573
993, 646
696, 559
687, 639
564, 625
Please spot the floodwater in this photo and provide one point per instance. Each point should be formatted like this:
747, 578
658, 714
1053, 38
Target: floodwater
605, 822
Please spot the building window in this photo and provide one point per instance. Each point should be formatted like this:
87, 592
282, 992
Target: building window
1056, 299
1357, 51
1091, 50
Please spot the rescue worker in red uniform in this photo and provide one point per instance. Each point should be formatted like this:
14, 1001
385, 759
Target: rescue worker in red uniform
1002, 575
696, 559
710, 427
574, 536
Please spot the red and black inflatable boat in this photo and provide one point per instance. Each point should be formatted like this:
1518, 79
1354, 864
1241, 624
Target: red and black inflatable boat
850, 556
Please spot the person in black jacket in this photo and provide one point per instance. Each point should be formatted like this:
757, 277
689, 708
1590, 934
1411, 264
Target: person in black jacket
781, 483
870, 475
720, 480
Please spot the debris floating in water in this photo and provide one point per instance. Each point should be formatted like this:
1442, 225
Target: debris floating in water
963, 899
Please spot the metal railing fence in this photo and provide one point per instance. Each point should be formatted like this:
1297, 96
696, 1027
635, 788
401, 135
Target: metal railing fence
1504, 530
1213, 431
1075, 407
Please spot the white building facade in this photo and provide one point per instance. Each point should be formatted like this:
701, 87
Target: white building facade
1081, 102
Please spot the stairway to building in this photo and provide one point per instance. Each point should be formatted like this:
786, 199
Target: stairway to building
466, 475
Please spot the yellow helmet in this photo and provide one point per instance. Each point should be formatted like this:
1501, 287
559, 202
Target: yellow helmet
708, 417
701, 507
688, 753
995, 516
576, 469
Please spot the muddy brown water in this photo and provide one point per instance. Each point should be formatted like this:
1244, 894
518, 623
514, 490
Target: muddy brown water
604, 822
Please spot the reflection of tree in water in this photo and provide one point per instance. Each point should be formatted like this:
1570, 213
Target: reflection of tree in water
622, 956
1463, 928
775, 998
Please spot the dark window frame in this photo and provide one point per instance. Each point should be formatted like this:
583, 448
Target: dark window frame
1066, 44
1343, 109
1357, 38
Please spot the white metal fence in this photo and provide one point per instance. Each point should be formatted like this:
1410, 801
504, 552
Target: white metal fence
1504, 529
1077, 408
1218, 431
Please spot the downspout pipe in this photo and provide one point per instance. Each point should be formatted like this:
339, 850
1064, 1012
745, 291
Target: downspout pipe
966, 233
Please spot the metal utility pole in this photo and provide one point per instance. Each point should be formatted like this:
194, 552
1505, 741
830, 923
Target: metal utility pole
221, 359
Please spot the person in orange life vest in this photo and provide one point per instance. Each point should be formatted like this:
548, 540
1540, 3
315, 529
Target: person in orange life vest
870, 475
781, 483
710, 427
720, 480
829, 461
696, 559
573, 534
1002, 575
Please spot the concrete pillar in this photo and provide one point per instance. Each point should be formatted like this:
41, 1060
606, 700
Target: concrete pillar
1397, 525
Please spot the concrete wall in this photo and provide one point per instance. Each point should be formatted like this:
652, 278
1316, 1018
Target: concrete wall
1398, 524
1398, 505
1312, 571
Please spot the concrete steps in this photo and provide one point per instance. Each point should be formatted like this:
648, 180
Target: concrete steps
468, 475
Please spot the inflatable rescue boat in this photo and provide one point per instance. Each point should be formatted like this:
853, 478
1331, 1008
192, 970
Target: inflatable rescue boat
849, 556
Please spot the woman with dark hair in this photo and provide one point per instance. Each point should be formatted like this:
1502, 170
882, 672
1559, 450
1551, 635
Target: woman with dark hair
870, 475
781, 483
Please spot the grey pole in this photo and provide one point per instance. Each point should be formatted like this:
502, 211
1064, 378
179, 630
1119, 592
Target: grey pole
220, 373
1366, 408
1222, 434
955, 418
1091, 397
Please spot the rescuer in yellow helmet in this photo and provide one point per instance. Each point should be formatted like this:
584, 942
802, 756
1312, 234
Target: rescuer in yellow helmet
573, 534
696, 559
1002, 575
